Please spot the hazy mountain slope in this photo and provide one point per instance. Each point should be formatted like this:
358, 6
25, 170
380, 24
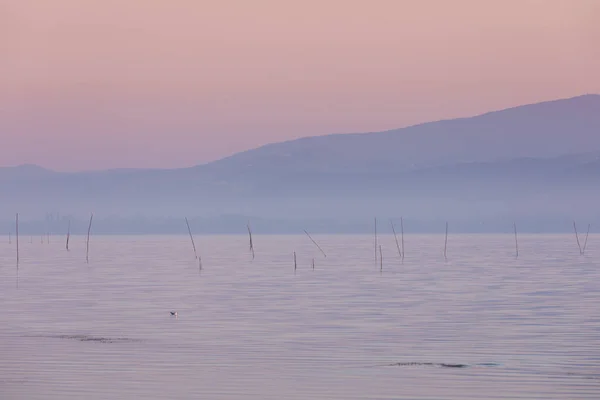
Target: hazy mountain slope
545, 129
538, 160
25, 171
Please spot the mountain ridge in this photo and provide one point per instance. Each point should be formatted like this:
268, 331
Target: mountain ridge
540, 160
460, 139
579, 102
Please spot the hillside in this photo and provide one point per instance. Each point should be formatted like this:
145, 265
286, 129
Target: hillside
537, 160
541, 130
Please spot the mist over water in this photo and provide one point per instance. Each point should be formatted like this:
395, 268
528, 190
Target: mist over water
250, 125
483, 324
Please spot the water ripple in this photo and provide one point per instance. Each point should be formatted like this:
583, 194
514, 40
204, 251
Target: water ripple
482, 325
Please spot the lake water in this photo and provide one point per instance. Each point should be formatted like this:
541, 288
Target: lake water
481, 325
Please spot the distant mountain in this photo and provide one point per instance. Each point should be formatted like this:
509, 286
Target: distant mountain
536, 160
25, 171
547, 129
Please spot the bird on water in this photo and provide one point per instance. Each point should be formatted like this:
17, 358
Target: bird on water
173, 313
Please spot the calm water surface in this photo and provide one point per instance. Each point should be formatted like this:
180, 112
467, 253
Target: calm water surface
525, 328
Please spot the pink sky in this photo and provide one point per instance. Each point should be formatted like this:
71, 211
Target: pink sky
154, 83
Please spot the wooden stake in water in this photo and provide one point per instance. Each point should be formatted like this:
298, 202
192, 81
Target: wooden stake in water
516, 241
295, 264
17, 236
586, 239
319, 247
375, 232
313, 264
577, 237
402, 236
68, 235
380, 259
87, 243
446, 242
251, 244
191, 238
396, 239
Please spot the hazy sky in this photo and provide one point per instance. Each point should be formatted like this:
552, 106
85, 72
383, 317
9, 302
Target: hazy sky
88, 84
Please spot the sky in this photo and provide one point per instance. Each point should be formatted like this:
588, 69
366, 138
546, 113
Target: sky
99, 84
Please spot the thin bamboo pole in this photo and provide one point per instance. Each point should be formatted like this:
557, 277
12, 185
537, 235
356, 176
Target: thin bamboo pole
87, 243
402, 237
68, 235
17, 236
586, 239
375, 232
446, 243
251, 243
577, 237
516, 241
316, 244
396, 239
191, 238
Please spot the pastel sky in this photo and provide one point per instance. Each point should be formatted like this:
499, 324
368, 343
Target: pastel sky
93, 84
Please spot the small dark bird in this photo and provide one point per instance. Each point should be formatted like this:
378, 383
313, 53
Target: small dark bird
173, 313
